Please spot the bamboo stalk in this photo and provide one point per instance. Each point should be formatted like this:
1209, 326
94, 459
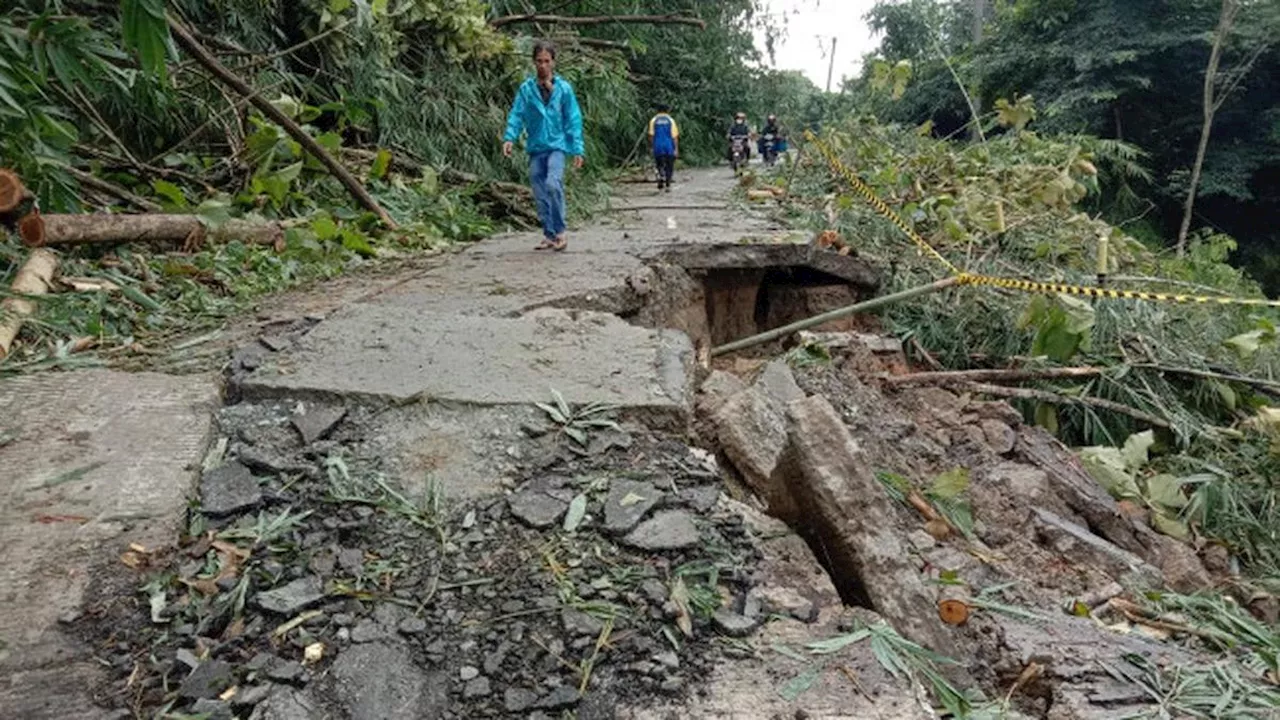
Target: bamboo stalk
961, 376
34, 278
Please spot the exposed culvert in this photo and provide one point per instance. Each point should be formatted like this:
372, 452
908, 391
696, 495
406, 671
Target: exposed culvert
720, 293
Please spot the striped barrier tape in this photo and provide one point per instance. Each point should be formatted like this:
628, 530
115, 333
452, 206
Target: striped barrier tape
1030, 286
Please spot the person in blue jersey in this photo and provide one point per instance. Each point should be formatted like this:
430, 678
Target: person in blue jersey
664, 143
547, 110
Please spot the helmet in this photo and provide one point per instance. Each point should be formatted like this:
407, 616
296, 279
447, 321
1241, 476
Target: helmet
773, 117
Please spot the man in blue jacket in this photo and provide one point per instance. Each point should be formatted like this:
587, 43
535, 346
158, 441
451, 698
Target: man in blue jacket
547, 109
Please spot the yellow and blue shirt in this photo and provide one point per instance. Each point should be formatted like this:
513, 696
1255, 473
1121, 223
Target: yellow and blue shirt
664, 132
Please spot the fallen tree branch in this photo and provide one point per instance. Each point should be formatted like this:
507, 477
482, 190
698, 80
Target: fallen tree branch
34, 278
498, 191
669, 19
1210, 375
184, 38
110, 188
1138, 614
101, 228
951, 377
409, 166
1056, 399
602, 44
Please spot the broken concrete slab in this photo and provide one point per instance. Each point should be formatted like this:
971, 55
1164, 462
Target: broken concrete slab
228, 489
627, 504
108, 458
716, 390
777, 383
752, 430
289, 704
1082, 546
847, 508
314, 421
380, 681
669, 530
400, 354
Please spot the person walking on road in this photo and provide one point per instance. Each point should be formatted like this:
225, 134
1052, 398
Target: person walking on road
664, 143
546, 108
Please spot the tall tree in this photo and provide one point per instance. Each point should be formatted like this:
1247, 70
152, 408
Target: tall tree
1212, 100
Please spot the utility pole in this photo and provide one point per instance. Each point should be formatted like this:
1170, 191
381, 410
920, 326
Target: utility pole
831, 67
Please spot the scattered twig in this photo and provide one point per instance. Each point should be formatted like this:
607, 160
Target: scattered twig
113, 190
1138, 614
1056, 399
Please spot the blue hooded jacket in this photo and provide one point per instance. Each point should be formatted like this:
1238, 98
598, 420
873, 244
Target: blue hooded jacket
553, 125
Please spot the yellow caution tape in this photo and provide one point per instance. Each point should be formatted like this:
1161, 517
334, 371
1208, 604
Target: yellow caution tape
1101, 292
1030, 286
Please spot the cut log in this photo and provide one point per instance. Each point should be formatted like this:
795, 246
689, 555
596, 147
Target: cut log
12, 191
31, 229
34, 278
155, 227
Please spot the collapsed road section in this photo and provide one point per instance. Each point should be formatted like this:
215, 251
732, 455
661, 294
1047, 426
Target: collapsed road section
518, 485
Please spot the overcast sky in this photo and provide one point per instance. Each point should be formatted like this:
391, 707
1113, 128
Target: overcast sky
809, 27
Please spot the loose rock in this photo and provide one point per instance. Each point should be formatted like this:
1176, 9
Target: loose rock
207, 681
380, 681
292, 598
316, 421
579, 623
518, 699
228, 489
670, 530
562, 697
367, 631
537, 508
734, 625
413, 626
476, 688
628, 502
212, 709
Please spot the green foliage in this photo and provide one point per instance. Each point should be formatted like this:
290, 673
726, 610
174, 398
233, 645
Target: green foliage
1117, 69
146, 31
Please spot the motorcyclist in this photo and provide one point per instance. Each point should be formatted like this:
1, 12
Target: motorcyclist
739, 128
770, 128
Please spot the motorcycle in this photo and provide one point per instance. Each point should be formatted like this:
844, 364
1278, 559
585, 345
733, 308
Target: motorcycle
769, 149
738, 152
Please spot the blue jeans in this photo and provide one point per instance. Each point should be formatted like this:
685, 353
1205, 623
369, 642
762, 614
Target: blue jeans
546, 170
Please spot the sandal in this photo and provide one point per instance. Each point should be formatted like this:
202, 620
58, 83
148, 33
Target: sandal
546, 244
560, 243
